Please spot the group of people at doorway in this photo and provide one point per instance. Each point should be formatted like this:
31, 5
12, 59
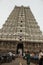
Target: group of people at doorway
28, 56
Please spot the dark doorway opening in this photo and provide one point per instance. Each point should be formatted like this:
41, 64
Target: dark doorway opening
20, 46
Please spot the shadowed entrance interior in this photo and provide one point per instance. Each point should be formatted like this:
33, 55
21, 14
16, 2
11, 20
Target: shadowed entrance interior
20, 46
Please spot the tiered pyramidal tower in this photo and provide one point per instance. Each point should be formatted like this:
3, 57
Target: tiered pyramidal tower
21, 31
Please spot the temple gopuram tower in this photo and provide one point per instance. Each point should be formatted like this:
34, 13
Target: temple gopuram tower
21, 31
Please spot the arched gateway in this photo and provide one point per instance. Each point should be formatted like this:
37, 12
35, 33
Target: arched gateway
21, 24
20, 47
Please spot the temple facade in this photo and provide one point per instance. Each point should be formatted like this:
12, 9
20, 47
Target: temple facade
21, 31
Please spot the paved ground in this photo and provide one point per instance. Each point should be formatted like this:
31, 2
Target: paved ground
17, 61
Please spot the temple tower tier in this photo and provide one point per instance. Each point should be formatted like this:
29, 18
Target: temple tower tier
21, 31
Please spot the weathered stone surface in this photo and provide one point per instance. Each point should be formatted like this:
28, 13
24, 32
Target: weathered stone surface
21, 25
21, 18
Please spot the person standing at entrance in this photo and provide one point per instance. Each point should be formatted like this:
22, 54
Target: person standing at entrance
20, 52
27, 57
40, 57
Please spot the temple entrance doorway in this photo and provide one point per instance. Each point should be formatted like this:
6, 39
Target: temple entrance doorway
20, 48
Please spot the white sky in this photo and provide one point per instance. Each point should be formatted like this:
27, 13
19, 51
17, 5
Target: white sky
6, 6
